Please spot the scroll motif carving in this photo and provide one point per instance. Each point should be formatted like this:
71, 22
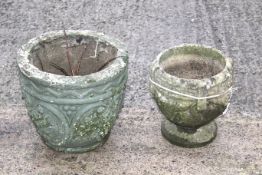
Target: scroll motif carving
73, 118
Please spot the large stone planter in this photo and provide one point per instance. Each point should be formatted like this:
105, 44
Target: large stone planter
191, 85
73, 113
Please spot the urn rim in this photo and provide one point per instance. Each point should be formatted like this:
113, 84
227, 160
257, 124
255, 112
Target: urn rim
218, 78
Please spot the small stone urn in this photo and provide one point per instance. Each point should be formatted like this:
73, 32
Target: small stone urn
191, 85
73, 84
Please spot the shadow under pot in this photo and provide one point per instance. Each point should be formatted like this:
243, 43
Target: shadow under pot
191, 85
73, 84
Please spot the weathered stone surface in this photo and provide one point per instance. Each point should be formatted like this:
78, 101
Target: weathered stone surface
191, 103
73, 113
187, 137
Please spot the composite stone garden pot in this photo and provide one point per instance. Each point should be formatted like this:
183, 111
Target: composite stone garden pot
191, 85
73, 113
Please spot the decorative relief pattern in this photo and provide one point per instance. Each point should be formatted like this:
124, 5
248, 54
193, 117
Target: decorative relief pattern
185, 112
189, 112
74, 118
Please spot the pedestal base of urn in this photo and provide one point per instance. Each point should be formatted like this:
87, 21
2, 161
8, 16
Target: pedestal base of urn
187, 137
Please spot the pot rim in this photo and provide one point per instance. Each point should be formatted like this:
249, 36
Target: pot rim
31, 71
219, 77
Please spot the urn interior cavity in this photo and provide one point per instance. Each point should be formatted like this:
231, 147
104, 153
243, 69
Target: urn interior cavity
51, 55
192, 62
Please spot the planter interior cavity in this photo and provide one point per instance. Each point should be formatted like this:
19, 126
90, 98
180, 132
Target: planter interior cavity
94, 55
190, 64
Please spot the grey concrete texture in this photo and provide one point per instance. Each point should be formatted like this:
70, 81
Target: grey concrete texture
147, 27
135, 146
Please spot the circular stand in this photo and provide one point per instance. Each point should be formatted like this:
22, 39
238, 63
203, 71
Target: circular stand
188, 137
